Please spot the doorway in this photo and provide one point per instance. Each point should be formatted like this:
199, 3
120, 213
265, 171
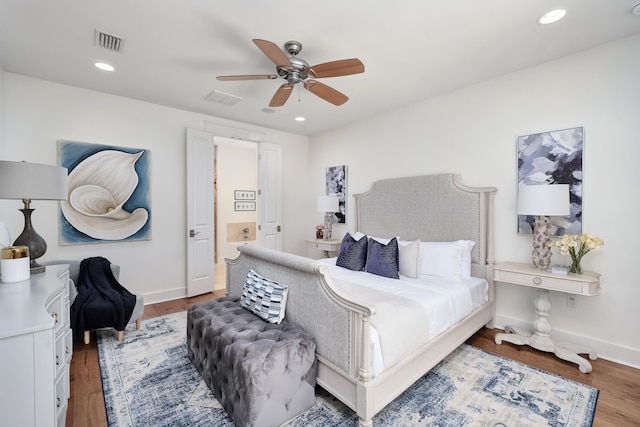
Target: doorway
235, 199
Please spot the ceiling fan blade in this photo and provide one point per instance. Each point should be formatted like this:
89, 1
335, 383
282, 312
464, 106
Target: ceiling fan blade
281, 95
273, 52
248, 77
325, 92
342, 67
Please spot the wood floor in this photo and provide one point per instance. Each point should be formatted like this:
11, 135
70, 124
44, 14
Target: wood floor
618, 402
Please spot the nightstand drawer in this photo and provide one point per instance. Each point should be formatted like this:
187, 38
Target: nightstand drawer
550, 283
525, 275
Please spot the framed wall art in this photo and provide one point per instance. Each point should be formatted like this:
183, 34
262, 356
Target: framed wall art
109, 193
244, 195
244, 206
553, 158
336, 185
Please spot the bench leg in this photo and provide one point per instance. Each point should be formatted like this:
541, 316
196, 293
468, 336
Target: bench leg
119, 335
87, 337
138, 324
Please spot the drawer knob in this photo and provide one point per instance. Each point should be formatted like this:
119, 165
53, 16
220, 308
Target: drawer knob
537, 280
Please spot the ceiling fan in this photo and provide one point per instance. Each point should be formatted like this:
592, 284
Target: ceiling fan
296, 70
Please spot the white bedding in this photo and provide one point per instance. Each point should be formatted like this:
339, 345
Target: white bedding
409, 312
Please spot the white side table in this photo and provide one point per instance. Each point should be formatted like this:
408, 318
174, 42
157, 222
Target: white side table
586, 284
330, 247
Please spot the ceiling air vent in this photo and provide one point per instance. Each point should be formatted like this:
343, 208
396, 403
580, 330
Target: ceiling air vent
223, 98
108, 41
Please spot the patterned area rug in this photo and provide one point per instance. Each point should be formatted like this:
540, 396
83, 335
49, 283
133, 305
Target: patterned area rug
148, 380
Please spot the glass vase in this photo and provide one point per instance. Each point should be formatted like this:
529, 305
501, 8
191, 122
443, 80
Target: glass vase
576, 267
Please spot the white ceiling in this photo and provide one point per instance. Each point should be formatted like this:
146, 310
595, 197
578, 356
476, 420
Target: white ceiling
411, 49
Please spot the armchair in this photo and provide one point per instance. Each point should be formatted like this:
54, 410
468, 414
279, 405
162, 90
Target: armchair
74, 271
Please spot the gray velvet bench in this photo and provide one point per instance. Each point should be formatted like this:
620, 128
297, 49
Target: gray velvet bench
262, 373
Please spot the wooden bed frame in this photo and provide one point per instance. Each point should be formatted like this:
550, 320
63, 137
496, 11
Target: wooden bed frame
431, 208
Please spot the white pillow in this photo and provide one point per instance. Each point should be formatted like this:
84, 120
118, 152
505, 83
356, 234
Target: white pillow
446, 258
358, 235
440, 260
408, 256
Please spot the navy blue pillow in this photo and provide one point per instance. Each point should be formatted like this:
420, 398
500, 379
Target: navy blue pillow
353, 253
383, 259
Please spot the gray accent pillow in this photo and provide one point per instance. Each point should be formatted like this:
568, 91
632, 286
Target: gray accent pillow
353, 253
383, 259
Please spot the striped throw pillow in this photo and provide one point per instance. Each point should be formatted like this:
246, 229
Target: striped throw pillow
265, 298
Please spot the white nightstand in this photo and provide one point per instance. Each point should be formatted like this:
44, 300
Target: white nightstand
330, 247
586, 284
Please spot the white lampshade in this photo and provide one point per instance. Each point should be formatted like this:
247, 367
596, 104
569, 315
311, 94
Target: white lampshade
547, 200
328, 204
22, 180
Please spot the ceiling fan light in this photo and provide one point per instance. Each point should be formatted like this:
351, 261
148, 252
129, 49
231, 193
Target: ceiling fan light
553, 16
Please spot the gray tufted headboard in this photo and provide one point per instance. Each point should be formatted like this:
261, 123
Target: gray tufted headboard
432, 208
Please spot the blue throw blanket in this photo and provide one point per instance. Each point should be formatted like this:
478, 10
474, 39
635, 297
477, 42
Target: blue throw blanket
102, 301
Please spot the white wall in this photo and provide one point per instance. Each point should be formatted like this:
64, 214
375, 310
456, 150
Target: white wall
38, 113
473, 132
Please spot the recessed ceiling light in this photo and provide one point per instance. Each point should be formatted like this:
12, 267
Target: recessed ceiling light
300, 119
553, 16
104, 66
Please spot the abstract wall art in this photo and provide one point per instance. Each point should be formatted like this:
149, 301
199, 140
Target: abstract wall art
553, 158
336, 185
109, 193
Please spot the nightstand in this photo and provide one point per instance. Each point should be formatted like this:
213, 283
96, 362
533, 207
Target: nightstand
330, 247
586, 284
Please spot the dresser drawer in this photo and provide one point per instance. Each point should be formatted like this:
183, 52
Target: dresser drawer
62, 391
58, 307
68, 345
60, 357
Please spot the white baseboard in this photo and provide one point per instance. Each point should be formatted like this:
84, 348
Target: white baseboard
604, 349
167, 295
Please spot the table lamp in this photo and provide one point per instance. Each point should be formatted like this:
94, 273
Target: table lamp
31, 181
329, 205
543, 201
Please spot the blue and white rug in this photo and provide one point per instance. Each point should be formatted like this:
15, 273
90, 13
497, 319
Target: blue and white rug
148, 380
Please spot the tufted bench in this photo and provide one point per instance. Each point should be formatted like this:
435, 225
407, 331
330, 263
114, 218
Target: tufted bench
263, 374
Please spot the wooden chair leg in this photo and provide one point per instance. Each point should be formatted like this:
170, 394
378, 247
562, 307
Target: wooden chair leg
138, 323
87, 337
119, 335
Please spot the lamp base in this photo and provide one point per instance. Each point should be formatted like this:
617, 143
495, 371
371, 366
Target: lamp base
328, 224
36, 244
37, 269
541, 254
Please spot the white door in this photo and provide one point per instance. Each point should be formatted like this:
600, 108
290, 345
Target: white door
200, 220
270, 185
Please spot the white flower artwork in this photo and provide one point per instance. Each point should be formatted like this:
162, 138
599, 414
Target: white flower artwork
108, 194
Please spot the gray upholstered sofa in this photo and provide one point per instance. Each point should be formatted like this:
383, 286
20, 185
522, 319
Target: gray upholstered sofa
262, 373
74, 271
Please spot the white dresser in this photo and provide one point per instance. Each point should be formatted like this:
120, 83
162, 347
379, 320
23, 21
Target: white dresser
36, 345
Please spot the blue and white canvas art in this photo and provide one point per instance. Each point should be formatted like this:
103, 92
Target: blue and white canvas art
109, 192
553, 158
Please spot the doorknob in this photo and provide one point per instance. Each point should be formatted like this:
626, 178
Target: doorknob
192, 233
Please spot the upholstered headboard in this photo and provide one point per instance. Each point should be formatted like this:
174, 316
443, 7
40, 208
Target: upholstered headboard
432, 208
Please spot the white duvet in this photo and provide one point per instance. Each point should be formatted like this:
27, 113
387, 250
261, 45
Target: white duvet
409, 312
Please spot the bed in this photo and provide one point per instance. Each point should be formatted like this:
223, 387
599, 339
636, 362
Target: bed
432, 208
